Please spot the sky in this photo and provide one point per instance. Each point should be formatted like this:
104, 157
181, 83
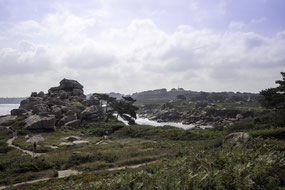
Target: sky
130, 46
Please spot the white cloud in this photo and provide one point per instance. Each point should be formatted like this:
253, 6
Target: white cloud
236, 25
137, 56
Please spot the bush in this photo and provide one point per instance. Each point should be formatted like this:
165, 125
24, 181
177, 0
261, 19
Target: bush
254, 168
242, 125
4, 147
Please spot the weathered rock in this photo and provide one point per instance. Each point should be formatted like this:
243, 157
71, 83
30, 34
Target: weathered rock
239, 116
80, 143
72, 138
35, 138
73, 124
56, 110
17, 111
91, 113
75, 143
40, 108
41, 94
77, 92
29, 103
236, 139
36, 122
66, 119
67, 84
66, 144
63, 95
34, 94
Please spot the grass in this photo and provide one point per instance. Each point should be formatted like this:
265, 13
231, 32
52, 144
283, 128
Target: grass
187, 159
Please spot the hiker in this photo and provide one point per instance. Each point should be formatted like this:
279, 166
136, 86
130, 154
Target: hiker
15, 133
35, 149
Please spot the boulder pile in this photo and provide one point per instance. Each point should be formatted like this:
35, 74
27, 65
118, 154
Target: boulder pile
64, 105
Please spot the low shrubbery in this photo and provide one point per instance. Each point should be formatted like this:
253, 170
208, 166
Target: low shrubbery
254, 168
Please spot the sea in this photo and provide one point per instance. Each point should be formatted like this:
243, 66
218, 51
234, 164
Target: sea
6, 108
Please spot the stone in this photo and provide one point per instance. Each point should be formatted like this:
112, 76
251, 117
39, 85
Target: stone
66, 144
34, 94
41, 94
77, 92
239, 116
72, 138
63, 95
17, 111
30, 102
75, 143
35, 138
236, 139
67, 119
36, 122
73, 124
40, 108
91, 113
56, 110
67, 84
80, 143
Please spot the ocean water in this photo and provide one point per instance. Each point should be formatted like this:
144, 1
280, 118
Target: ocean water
145, 121
6, 108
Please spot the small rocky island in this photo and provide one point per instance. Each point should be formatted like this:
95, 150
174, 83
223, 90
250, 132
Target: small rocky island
64, 105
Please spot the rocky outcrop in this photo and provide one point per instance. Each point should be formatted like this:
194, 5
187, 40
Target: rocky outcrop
196, 113
64, 105
36, 122
66, 89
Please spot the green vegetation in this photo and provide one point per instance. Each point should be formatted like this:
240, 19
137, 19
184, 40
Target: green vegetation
146, 157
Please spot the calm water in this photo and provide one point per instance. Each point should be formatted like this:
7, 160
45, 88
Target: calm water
6, 108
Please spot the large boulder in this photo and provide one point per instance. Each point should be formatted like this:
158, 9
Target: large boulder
35, 138
91, 113
67, 84
17, 111
236, 139
72, 138
73, 124
72, 87
66, 119
36, 122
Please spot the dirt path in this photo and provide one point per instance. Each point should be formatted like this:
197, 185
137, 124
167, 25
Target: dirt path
131, 167
61, 174
10, 144
67, 173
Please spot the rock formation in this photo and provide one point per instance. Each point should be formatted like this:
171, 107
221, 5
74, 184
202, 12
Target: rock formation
64, 105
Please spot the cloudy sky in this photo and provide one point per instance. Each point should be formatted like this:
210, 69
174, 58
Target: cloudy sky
134, 45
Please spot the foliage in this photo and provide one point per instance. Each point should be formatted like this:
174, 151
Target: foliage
125, 109
275, 97
254, 168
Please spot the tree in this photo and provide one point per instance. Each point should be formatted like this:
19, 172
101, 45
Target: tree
274, 97
125, 109
105, 98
